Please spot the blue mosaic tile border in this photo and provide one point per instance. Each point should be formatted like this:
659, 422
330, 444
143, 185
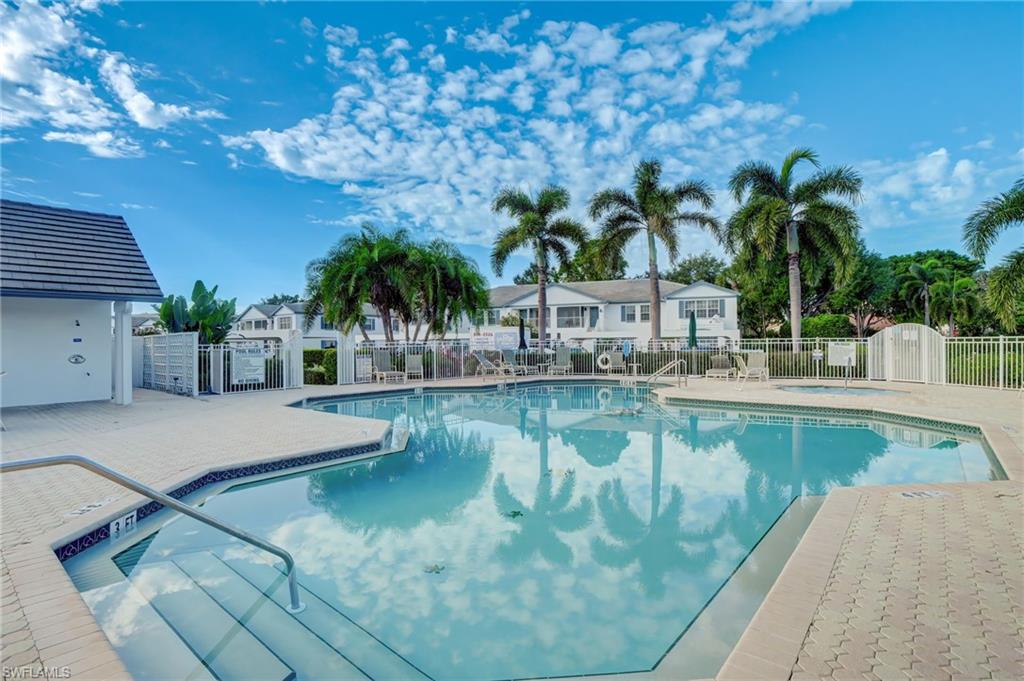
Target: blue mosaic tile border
95, 536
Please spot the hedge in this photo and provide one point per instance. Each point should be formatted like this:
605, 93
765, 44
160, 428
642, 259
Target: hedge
821, 326
312, 357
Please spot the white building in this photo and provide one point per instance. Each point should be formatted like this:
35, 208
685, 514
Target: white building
281, 322
620, 310
63, 273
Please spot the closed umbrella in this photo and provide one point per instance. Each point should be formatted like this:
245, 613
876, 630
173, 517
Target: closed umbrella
522, 334
693, 329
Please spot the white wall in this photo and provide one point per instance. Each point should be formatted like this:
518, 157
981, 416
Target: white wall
38, 335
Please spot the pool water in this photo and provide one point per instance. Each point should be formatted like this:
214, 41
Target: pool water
550, 531
835, 390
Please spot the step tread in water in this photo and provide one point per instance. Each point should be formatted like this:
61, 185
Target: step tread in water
149, 647
372, 656
300, 648
228, 648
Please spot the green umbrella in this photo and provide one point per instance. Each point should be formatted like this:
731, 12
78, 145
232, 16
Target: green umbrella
693, 329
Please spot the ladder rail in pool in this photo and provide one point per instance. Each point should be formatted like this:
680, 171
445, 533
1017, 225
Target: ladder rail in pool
674, 364
296, 605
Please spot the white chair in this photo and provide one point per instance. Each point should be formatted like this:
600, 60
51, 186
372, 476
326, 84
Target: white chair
414, 367
757, 368
509, 364
721, 367
485, 367
563, 362
383, 370
617, 362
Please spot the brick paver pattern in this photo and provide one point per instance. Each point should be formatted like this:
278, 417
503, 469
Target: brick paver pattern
924, 588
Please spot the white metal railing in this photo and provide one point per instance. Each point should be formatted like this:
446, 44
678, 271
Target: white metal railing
250, 366
993, 362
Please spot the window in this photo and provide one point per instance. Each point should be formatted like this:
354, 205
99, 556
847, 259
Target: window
529, 314
284, 322
493, 317
704, 308
370, 324
645, 313
627, 313
569, 317
328, 344
394, 324
326, 325
254, 324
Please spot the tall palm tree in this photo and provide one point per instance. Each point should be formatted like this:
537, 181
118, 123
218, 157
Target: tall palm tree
656, 211
955, 298
809, 216
362, 268
916, 285
538, 228
983, 227
443, 286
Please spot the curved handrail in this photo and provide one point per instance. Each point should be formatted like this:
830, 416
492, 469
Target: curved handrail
663, 370
83, 462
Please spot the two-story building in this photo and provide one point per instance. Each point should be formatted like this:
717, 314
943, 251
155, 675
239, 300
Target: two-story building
621, 310
280, 322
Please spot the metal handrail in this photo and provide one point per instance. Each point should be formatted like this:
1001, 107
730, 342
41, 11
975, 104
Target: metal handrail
663, 370
75, 460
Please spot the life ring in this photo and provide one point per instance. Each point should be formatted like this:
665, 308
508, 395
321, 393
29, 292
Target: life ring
604, 395
604, 360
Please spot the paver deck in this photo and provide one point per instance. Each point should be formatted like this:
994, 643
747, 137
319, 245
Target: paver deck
163, 440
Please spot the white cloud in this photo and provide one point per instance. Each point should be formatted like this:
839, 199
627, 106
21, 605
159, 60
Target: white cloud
103, 143
308, 27
341, 35
119, 76
983, 143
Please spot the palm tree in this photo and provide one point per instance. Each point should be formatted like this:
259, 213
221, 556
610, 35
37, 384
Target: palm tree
443, 286
807, 217
916, 285
362, 268
654, 210
538, 228
983, 227
955, 298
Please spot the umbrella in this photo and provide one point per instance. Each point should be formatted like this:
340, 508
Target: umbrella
693, 329
522, 334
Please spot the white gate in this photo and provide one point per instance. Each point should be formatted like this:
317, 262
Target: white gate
907, 352
250, 366
169, 362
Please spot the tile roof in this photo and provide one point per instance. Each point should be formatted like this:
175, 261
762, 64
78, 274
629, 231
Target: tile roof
614, 291
50, 252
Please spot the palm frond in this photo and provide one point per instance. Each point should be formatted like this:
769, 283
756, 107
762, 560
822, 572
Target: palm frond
1006, 289
608, 200
508, 241
552, 199
840, 181
695, 190
984, 226
512, 200
789, 163
756, 177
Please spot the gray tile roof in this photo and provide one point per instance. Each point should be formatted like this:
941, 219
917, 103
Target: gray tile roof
614, 291
59, 253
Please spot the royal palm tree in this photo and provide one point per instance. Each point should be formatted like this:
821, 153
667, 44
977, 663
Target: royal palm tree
539, 228
362, 268
983, 227
810, 217
916, 285
955, 298
656, 211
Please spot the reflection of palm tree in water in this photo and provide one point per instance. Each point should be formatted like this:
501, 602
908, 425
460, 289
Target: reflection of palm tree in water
660, 544
551, 513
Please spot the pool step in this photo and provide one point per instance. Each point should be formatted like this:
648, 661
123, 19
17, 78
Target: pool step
218, 639
371, 655
302, 650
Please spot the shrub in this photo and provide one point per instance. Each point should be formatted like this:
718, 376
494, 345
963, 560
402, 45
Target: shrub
821, 326
314, 376
312, 357
330, 366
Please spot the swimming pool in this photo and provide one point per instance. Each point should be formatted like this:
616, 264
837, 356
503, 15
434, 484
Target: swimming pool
556, 530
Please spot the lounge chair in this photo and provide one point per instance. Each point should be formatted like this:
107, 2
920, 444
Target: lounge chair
721, 367
485, 367
509, 364
414, 367
757, 368
617, 364
383, 370
563, 362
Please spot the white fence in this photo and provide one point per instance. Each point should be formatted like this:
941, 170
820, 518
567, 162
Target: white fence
166, 362
996, 362
250, 366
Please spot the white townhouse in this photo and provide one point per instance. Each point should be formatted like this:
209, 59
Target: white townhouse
621, 310
281, 322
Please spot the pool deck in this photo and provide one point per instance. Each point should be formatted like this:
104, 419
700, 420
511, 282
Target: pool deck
950, 566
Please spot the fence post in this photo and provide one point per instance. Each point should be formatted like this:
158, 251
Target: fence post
1002, 362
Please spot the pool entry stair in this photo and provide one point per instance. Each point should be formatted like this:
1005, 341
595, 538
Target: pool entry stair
227, 618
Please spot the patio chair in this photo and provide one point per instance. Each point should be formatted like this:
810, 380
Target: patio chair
721, 367
485, 367
563, 362
414, 367
383, 370
617, 363
510, 365
757, 368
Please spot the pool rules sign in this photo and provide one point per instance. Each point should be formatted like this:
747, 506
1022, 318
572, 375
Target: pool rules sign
248, 364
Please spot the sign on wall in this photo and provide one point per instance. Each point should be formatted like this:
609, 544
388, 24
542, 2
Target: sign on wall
506, 340
248, 364
483, 340
842, 354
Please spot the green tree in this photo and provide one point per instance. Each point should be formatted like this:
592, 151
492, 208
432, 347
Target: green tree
280, 299
764, 297
916, 285
701, 267
449, 287
362, 268
955, 298
982, 229
539, 228
655, 211
803, 217
959, 264
867, 294
211, 317
587, 264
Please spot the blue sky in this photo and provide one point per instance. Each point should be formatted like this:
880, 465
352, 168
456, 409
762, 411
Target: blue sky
240, 140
